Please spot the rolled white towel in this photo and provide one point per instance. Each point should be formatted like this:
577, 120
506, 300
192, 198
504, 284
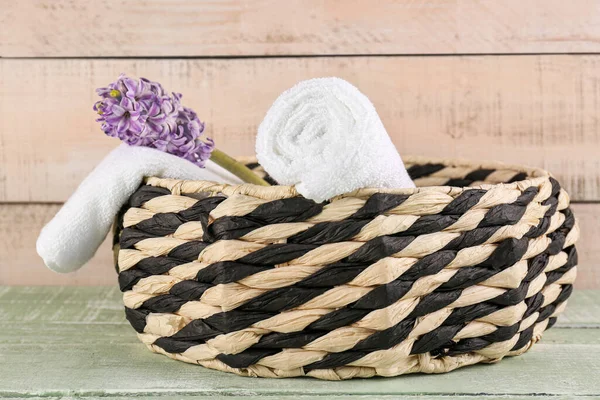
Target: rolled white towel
324, 136
72, 237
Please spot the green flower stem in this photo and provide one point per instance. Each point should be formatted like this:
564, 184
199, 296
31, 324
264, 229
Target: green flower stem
237, 168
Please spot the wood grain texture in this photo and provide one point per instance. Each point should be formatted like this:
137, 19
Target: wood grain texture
88, 367
74, 342
67, 28
418, 396
20, 264
537, 110
588, 246
311, 397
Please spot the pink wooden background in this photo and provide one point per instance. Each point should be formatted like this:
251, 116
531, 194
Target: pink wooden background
515, 81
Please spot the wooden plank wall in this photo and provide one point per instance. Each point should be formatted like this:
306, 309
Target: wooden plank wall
512, 81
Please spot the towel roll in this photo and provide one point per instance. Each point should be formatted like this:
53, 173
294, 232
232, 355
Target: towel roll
325, 137
72, 237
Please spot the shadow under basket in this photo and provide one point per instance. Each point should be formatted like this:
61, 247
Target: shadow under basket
470, 267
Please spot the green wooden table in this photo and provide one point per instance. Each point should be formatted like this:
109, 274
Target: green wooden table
60, 343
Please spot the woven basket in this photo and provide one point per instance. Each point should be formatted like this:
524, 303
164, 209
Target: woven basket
471, 266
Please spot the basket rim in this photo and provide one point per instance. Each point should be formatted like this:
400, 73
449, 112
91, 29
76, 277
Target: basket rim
536, 177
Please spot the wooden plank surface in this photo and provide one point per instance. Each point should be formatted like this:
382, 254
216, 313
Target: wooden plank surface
588, 245
57, 342
310, 397
20, 265
537, 110
66, 28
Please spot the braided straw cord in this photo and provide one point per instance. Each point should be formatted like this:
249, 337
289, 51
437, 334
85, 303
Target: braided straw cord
471, 266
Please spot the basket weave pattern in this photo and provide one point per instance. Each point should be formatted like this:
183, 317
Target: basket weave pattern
470, 267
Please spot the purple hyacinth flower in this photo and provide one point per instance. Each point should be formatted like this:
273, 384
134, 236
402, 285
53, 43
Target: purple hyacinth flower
141, 113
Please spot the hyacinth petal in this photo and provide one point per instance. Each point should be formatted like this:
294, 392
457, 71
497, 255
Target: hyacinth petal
145, 97
160, 145
183, 144
155, 112
112, 119
103, 91
118, 110
127, 104
141, 86
123, 125
131, 86
136, 126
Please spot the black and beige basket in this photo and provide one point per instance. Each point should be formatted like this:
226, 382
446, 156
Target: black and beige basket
470, 267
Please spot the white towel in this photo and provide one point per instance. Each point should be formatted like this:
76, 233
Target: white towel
72, 237
324, 136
